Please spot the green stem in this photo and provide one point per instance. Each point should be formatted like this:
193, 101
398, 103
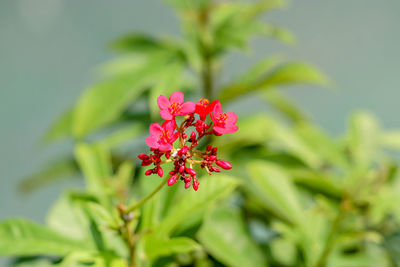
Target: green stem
330, 242
146, 198
207, 77
207, 70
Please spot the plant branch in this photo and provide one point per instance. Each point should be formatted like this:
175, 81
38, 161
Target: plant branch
149, 196
207, 70
126, 233
330, 242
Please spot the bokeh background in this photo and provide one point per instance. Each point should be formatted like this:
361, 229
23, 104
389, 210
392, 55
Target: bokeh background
50, 50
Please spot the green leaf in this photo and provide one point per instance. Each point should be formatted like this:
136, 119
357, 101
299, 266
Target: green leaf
55, 170
390, 139
192, 203
66, 217
94, 160
224, 236
157, 247
137, 42
259, 69
318, 182
289, 73
273, 187
121, 136
363, 138
329, 150
263, 130
284, 106
20, 237
61, 128
280, 34
105, 102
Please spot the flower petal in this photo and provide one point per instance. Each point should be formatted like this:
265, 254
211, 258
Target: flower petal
232, 118
231, 129
169, 125
165, 147
163, 102
174, 137
176, 97
219, 130
217, 109
151, 141
166, 115
155, 129
187, 108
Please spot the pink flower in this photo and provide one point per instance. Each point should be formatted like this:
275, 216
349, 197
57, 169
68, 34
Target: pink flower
174, 106
162, 137
224, 123
204, 107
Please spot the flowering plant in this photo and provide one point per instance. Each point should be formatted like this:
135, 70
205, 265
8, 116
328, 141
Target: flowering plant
184, 156
296, 197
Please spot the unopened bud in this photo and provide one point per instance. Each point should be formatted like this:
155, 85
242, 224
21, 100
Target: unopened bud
143, 156
181, 168
187, 185
148, 172
224, 164
160, 172
193, 136
216, 169
190, 171
212, 157
172, 180
146, 162
184, 136
195, 184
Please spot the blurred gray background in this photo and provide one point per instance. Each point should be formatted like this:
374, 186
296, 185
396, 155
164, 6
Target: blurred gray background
49, 50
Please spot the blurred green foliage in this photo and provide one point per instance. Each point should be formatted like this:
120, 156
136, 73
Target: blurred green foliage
295, 197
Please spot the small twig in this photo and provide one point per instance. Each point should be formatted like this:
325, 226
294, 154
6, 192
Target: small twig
149, 196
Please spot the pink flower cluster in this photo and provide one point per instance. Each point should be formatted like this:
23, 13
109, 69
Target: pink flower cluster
184, 155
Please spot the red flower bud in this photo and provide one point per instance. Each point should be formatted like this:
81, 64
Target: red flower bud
146, 162
190, 171
214, 150
195, 184
193, 136
212, 157
187, 185
160, 171
181, 169
224, 164
216, 169
184, 136
187, 179
209, 148
168, 155
172, 180
143, 156
148, 172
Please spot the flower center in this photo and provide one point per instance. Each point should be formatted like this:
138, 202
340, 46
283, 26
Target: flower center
174, 107
204, 102
164, 136
221, 118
